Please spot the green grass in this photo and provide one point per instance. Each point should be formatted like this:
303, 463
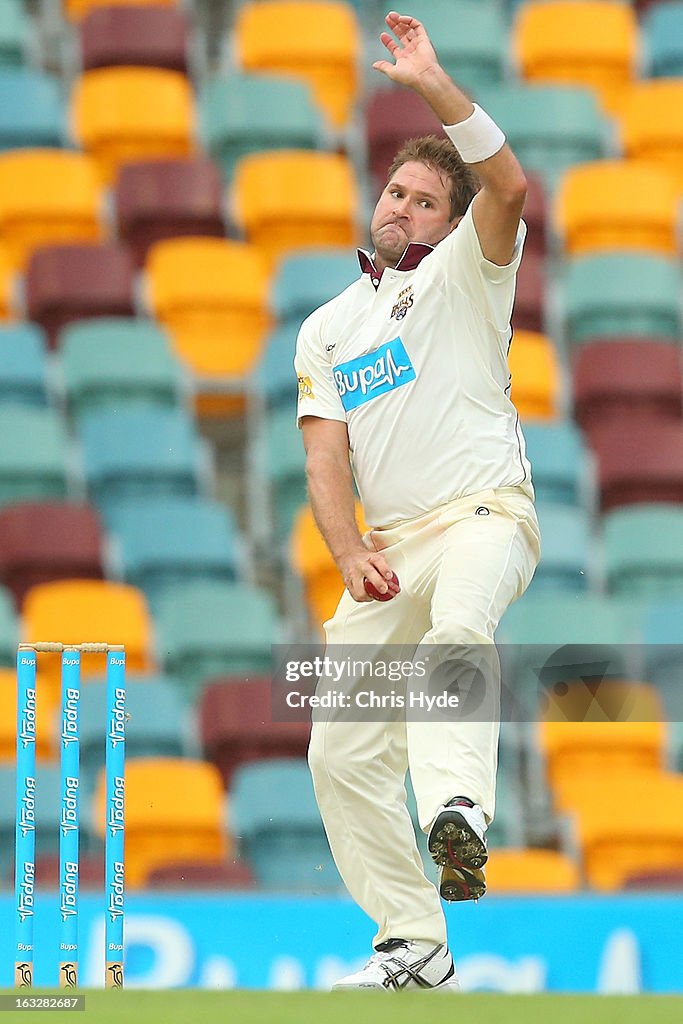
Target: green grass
241, 1007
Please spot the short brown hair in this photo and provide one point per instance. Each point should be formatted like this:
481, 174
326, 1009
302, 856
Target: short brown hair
442, 156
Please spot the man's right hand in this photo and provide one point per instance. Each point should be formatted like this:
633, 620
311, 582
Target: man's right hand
360, 565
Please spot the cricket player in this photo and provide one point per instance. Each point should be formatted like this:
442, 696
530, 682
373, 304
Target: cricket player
404, 385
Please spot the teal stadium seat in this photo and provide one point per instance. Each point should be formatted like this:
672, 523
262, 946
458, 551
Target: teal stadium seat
9, 630
559, 462
209, 628
662, 653
274, 377
549, 127
622, 295
286, 469
32, 111
471, 35
141, 451
274, 815
23, 364
115, 361
644, 551
243, 114
567, 557
15, 32
158, 723
33, 454
48, 802
305, 281
663, 34
166, 542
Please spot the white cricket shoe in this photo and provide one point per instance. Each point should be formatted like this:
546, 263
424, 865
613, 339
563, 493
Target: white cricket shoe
400, 964
457, 844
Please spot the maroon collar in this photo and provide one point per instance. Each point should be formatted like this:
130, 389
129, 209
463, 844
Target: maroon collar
412, 256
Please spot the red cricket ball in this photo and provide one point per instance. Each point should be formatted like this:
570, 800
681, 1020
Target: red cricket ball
391, 592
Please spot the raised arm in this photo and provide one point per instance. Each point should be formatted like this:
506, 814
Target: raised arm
498, 206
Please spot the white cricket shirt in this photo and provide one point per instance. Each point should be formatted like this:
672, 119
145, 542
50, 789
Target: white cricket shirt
417, 368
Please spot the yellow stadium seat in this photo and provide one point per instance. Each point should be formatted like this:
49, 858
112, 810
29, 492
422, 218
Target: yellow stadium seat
313, 562
578, 43
617, 205
212, 294
531, 871
7, 281
652, 124
318, 42
47, 196
627, 824
174, 812
124, 114
77, 9
296, 199
88, 611
536, 376
46, 721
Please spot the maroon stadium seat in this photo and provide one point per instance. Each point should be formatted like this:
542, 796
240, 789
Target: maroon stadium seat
69, 282
202, 875
157, 199
45, 541
392, 116
236, 725
132, 36
535, 214
528, 313
625, 381
639, 461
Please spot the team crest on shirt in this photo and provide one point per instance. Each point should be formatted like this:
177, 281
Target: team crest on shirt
403, 303
305, 387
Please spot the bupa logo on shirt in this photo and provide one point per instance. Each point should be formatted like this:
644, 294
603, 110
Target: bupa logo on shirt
385, 369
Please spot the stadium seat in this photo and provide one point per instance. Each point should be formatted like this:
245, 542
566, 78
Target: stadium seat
118, 361
619, 294
531, 871
392, 116
23, 364
285, 464
77, 9
158, 723
157, 199
559, 462
471, 36
47, 800
15, 34
46, 726
9, 630
212, 295
33, 454
528, 313
8, 297
313, 563
295, 199
596, 702
306, 280
163, 543
549, 127
567, 555
150, 36
32, 111
536, 377
243, 114
143, 450
201, 875
643, 551
47, 196
274, 377
649, 467
650, 124
174, 811
43, 541
626, 381
317, 42
124, 114
93, 611
663, 32
209, 628
535, 215
274, 817
661, 636
592, 43
69, 282
617, 204
237, 725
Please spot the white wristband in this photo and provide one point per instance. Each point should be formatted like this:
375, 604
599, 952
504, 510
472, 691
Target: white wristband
476, 138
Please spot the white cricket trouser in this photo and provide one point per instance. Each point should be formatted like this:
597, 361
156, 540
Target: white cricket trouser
459, 570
